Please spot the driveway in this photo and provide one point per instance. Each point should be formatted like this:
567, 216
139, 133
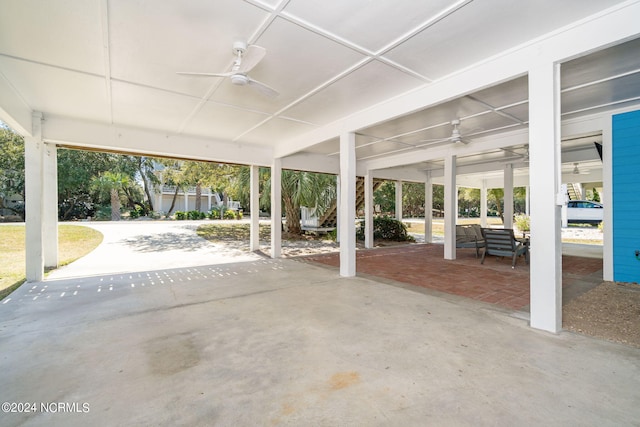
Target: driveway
148, 245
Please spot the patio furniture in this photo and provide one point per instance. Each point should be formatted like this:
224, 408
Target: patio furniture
502, 242
470, 236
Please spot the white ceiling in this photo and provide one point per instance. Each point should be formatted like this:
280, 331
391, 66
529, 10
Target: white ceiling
115, 62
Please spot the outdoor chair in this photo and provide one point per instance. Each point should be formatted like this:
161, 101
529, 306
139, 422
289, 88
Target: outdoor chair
502, 242
470, 236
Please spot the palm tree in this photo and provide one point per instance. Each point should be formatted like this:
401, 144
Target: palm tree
305, 189
111, 183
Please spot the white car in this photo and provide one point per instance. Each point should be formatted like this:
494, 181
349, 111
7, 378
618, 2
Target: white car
584, 212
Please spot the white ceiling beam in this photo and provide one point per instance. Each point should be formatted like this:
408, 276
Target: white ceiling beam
500, 141
14, 111
312, 162
606, 28
98, 136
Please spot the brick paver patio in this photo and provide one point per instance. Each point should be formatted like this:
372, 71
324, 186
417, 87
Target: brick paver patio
494, 282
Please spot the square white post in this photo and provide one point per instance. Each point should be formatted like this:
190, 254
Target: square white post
254, 206
338, 200
508, 195
450, 203
368, 210
428, 209
276, 208
347, 204
398, 204
34, 201
50, 205
483, 204
527, 201
607, 187
545, 180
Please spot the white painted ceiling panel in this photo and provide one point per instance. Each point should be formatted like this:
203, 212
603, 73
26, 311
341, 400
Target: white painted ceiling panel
369, 24
370, 84
140, 106
275, 130
222, 122
485, 28
62, 33
74, 95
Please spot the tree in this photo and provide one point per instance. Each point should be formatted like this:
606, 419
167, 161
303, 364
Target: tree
11, 167
111, 183
385, 196
305, 189
412, 198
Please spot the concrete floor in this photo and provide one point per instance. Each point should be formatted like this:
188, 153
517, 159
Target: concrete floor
281, 342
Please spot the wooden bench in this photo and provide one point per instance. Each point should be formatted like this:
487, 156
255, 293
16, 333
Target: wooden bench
502, 242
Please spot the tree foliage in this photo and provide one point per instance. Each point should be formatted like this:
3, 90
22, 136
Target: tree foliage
11, 167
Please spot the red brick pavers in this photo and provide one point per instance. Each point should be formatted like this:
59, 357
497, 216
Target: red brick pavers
424, 265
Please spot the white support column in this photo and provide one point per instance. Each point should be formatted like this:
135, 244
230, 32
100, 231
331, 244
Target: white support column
347, 204
457, 203
508, 195
186, 199
368, 210
34, 174
254, 202
450, 203
483, 204
428, 209
527, 201
276, 208
545, 180
50, 205
607, 190
338, 200
209, 199
398, 204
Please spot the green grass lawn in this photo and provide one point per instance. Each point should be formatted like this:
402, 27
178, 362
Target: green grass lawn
74, 242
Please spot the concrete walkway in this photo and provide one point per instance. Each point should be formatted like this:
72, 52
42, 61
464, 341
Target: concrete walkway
146, 245
281, 342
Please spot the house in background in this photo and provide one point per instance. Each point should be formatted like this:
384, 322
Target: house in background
481, 94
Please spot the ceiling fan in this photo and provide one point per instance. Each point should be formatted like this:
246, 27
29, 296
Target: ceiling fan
577, 171
246, 57
455, 137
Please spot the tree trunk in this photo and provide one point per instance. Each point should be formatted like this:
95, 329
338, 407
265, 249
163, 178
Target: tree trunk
198, 196
145, 185
292, 216
173, 201
115, 205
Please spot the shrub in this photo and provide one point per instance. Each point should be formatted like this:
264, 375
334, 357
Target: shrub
181, 215
239, 215
214, 213
103, 213
195, 215
135, 213
523, 223
386, 228
229, 214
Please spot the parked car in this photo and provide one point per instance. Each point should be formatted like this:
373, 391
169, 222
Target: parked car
584, 212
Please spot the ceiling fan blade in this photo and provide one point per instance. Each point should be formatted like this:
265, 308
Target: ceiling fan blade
188, 73
251, 57
263, 88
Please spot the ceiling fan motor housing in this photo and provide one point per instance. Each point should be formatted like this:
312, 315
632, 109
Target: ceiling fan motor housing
239, 79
